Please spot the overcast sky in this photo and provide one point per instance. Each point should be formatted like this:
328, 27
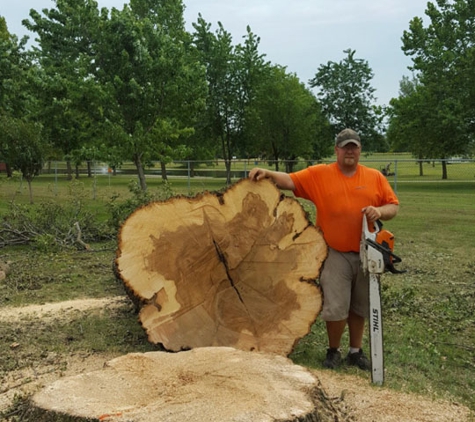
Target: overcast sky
298, 34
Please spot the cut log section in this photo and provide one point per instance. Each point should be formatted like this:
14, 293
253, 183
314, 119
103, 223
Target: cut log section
202, 385
233, 269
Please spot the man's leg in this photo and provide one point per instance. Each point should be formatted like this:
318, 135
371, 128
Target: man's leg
356, 326
335, 331
356, 357
335, 280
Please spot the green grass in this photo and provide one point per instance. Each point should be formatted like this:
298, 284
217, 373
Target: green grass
40, 277
429, 311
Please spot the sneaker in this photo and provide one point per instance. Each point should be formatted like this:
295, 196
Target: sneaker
333, 359
359, 359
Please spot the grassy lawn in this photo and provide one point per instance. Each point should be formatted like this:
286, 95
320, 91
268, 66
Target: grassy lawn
429, 311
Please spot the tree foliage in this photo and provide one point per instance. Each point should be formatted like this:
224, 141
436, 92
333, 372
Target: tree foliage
127, 79
347, 97
408, 118
22, 147
62, 84
441, 108
15, 98
133, 85
152, 81
234, 74
21, 143
290, 123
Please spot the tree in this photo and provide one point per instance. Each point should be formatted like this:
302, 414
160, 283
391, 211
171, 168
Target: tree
4, 34
288, 119
14, 66
69, 97
443, 55
347, 97
9, 64
407, 118
423, 124
251, 72
152, 82
128, 79
217, 55
233, 73
22, 147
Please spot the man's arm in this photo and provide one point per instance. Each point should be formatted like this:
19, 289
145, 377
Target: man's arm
281, 179
384, 212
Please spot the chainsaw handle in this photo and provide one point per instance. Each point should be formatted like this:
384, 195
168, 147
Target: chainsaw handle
378, 225
370, 239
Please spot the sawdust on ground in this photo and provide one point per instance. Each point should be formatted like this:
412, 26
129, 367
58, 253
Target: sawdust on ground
366, 403
51, 310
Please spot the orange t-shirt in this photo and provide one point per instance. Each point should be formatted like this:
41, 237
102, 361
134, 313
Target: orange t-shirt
339, 200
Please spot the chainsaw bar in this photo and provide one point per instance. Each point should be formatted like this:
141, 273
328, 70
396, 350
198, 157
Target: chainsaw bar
376, 330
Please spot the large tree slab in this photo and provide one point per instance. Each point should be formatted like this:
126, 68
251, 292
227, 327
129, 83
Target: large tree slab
224, 269
201, 385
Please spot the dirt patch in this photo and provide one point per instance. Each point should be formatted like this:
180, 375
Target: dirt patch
365, 402
375, 404
51, 310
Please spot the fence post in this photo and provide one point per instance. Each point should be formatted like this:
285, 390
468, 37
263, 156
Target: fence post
94, 183
395, 176
56, 178
189, 175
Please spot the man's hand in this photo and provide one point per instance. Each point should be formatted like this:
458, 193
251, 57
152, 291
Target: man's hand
281, 179
257, 174
385, 212
372, 213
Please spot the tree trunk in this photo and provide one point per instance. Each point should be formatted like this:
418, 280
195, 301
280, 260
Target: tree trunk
231, 269
421, 168
202, 385
227, 165
444, 169
30, 190
69, 170
163, 168
140, 173
9, 170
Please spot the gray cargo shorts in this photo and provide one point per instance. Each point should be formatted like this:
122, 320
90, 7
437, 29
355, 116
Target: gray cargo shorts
344, 286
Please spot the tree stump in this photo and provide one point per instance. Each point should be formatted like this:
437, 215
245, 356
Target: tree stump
202, 385
233, 269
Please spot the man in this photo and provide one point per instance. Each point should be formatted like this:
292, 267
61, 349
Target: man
342, 192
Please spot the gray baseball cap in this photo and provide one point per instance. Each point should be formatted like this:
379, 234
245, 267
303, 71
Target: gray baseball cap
347, 136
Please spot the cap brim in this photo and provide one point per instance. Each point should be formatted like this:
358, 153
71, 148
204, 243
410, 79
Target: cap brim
349, 141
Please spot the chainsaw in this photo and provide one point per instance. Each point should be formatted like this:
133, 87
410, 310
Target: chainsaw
376, 255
